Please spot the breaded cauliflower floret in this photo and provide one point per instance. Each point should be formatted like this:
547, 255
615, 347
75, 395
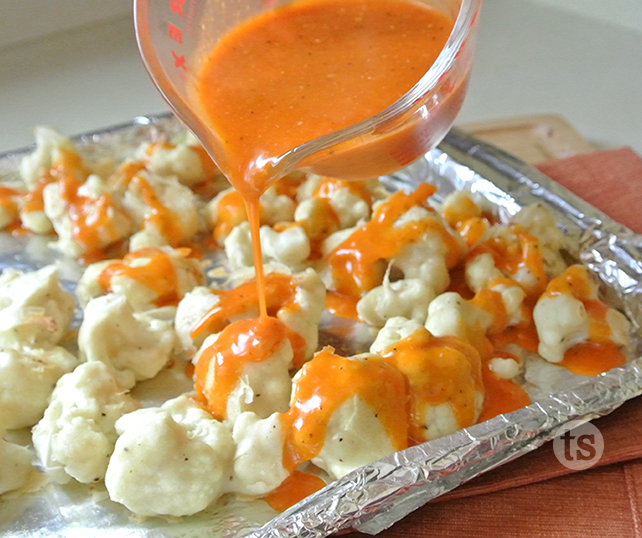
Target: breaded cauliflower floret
291, 247
86, 220
27, 379
258, 460
539, 222
481, 271
227, 210
15, 465
395, 329
164, 205
193, 306
443, 375
276, 207
507, 251
570, 312
149, 278
181, 161
354, 437
136, 345
34, 309
450, 315
352, 408
408, 298
260, 386
561, 322
428, 258
504, 368
49, 145
174, 460
76, 436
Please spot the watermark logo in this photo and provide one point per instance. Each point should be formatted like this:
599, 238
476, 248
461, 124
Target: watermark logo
578, 445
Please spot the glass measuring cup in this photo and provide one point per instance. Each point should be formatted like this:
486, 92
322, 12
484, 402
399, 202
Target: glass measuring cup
175, 37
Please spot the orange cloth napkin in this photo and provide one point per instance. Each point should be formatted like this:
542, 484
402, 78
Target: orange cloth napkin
535, 496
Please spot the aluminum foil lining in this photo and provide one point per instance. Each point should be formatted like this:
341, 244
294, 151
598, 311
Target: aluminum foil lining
373, 497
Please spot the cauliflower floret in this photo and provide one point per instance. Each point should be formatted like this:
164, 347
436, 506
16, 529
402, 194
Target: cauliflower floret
430, 257
513, 298
165, 205
504, 368
450, 315
86, 220
49, 145
395, 329
260, 386
291, 247
27, 378
181, 161
149, 278
570, 312
353, 409
148, 237
174, 460
354, 437
258, 461
276, 207
136, 345
443, 375
481, 271
76, 436
36, 221
15, 465
193, 306
561, 322
539, 222
34, 310
460, 206
408, 298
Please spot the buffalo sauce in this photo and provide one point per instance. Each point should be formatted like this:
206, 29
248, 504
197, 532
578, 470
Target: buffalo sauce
293, 489
502, 395
307, 69
162, 218
438, 370
326, 382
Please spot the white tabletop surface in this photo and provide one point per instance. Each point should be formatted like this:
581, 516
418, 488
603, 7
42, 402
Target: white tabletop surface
531, 59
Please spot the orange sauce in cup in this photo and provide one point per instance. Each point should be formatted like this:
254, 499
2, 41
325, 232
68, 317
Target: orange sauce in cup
306, 69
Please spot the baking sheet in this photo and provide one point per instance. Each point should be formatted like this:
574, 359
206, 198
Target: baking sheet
374, 497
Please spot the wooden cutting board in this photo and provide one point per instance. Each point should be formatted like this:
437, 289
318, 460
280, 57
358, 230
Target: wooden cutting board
533, 139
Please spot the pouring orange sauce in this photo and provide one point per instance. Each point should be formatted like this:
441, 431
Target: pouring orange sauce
280, 293
438, 370
307, 69
326, 382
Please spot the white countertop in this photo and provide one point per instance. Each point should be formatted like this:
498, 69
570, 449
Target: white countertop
531, 59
